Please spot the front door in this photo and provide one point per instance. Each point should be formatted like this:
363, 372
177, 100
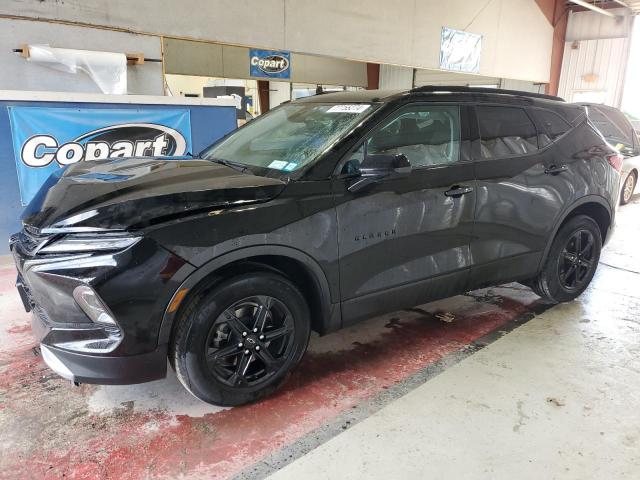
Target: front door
404, 241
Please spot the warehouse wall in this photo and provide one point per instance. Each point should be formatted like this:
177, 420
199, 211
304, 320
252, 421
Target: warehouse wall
393, 77
434, 77
403, 32
595, 57
18, 74
185, 57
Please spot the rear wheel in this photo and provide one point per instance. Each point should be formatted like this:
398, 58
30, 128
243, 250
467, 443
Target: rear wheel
628, 187
572, 261
237, 343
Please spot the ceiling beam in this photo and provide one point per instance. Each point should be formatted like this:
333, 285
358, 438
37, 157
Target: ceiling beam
620, 2
591, 6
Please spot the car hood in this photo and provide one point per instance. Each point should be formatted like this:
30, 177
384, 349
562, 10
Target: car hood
137, 192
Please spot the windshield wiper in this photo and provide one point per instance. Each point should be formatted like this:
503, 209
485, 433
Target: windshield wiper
228, 163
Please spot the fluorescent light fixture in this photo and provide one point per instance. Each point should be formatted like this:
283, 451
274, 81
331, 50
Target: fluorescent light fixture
591, 6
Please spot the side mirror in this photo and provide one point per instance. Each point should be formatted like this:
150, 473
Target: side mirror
379, 166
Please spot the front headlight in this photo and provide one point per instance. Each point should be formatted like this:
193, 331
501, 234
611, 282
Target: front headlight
94, 243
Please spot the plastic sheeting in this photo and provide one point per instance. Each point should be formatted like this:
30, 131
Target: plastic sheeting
108, 70
460, 51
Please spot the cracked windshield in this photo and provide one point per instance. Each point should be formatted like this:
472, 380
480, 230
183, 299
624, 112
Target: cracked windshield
289, 137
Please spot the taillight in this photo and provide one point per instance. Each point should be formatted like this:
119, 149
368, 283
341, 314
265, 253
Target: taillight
615, 160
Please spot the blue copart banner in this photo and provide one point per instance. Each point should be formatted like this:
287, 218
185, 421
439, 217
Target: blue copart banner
45, 139
269, 63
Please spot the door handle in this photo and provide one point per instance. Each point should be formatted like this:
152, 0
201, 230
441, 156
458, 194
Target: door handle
458, 191
554, 170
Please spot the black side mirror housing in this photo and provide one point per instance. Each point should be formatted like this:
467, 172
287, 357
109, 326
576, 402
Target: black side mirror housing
379, 166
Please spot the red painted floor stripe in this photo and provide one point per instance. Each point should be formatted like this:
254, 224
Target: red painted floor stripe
52, 433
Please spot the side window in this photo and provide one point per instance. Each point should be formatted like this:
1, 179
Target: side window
426, 134
506, 131
607, 127
553, 125
613, 125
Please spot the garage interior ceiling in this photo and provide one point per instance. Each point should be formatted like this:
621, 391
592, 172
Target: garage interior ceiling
633, 5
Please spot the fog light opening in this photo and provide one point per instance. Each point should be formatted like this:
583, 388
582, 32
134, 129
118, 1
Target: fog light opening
91, 304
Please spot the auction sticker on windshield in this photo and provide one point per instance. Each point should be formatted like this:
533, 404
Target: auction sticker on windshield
348, 109
278, 164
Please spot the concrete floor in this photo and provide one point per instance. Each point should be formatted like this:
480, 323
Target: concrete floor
487, 385
556, 398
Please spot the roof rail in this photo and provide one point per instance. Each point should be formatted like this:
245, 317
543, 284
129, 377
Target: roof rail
460, 89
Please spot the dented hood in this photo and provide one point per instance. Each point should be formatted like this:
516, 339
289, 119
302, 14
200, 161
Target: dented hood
137, 192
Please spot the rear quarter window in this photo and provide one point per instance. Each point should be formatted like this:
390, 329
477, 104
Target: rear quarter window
553, 125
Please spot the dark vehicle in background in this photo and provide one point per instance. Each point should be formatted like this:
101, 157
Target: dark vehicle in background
323, 212
619, 132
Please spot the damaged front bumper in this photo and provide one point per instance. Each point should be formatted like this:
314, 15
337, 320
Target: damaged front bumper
93, 313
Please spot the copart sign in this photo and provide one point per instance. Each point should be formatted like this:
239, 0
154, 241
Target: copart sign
45, 139
269, 63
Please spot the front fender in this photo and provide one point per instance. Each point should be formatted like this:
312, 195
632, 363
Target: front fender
331, 316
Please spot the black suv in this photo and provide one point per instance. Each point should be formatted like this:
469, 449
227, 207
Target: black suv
323, 212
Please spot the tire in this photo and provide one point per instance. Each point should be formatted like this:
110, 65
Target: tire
562, 268
533, 285
207, 338
628, 187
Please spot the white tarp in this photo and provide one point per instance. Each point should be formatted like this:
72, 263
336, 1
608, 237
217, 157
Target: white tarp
460, 51
108, 70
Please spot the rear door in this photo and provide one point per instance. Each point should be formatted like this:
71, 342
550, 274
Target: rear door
507, 241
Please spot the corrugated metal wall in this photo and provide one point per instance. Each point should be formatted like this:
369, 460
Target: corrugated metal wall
594, 70
595, 57
392, 77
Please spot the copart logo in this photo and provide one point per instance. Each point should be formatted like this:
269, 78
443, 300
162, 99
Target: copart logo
118, 141
270, 64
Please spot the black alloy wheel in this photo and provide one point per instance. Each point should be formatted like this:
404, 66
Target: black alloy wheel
237, 342
249, 341
577, 260
571, 262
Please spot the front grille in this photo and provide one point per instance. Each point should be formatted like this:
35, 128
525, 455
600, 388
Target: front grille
29, 241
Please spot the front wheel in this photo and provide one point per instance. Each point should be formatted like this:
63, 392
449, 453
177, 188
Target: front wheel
238, 342
571, 262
